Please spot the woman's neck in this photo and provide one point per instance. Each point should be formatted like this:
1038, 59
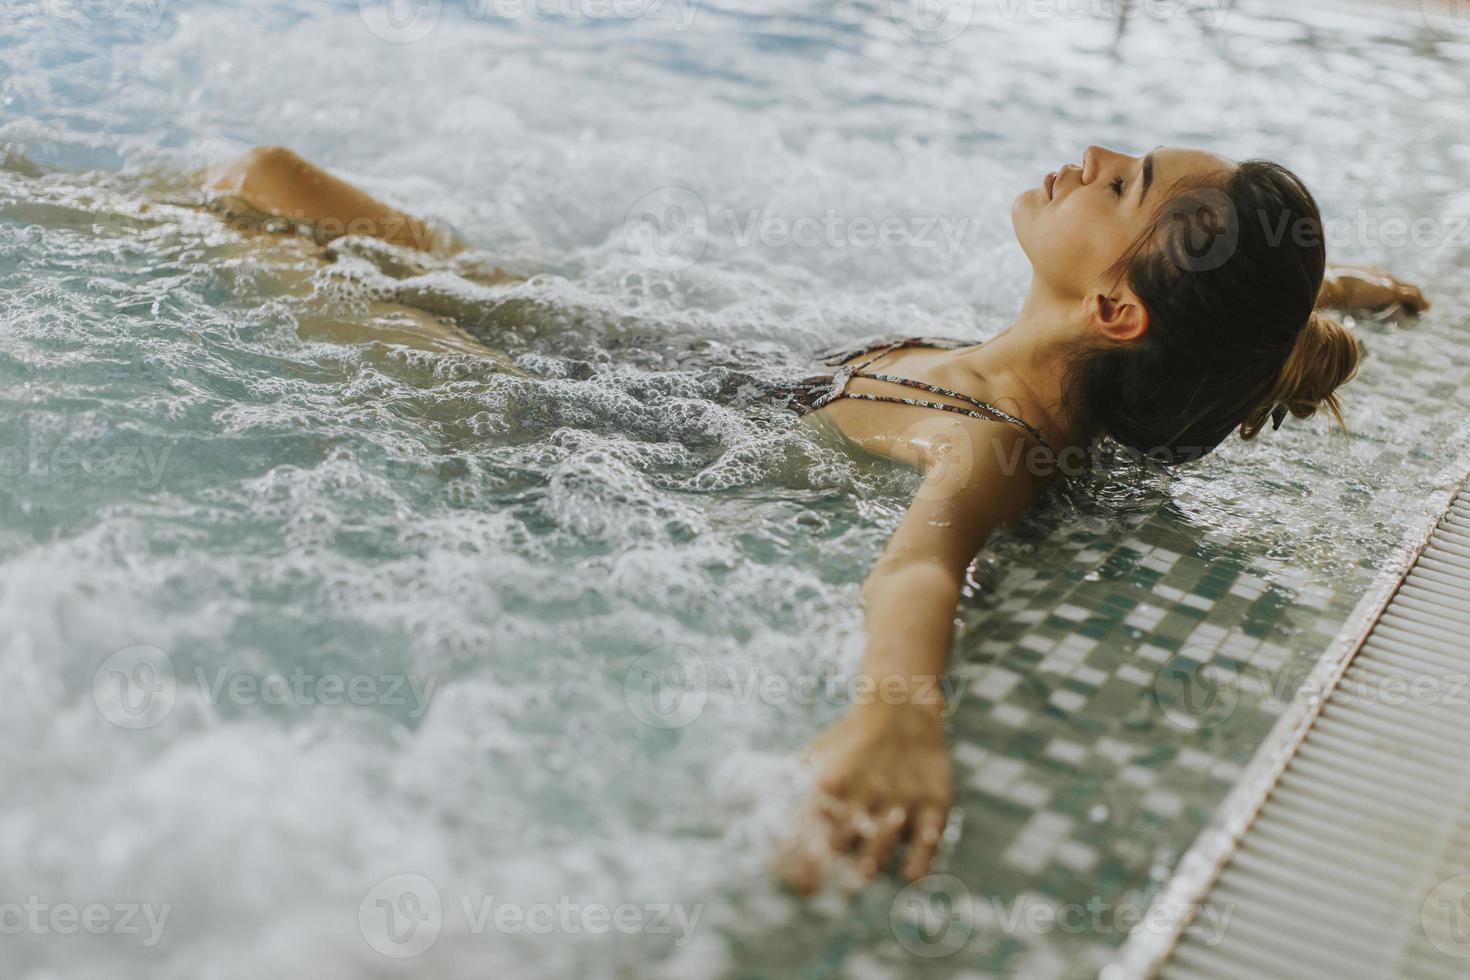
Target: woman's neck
1029, 361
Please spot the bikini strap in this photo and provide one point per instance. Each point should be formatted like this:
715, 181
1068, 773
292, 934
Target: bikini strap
876, 351
870, 353
984, 406
925, 403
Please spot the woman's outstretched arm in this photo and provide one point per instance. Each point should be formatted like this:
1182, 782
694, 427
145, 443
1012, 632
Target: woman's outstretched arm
279, 182
883, 773
1356, 288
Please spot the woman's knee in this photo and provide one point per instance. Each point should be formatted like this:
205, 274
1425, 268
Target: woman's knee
272, 159
260, 169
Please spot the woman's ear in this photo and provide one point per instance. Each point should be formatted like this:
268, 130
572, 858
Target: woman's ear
1119, 318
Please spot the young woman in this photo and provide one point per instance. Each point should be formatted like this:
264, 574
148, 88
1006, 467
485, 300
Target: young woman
1173, 300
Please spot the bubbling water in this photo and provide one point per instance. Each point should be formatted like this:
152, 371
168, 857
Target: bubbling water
591, 589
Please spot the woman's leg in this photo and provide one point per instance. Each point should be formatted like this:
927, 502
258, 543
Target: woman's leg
277, 181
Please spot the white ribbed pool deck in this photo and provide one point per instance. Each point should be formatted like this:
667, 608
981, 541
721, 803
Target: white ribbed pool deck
1344, 852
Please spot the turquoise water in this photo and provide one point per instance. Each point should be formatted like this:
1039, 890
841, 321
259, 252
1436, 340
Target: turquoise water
323, 626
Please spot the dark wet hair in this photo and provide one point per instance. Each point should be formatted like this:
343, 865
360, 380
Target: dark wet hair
1229, 274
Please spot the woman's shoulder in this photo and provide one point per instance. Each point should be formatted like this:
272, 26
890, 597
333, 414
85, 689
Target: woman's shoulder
841, 354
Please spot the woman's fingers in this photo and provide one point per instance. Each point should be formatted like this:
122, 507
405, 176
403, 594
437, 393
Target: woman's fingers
1412, 298
1373, 289
928, 827
887, 828
1391, 291
844, 822
829, 827
833, 827
803, 856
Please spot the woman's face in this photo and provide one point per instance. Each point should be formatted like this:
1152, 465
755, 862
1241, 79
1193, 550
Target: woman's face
1077, 224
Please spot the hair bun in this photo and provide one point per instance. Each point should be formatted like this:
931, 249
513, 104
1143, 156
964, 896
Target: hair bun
1325, 356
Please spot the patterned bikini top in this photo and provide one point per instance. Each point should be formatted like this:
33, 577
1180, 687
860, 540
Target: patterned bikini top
845, 372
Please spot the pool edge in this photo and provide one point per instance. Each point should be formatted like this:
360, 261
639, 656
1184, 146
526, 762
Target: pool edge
1151, 942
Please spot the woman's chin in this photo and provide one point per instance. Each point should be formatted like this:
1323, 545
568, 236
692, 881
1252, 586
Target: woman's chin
1023, 212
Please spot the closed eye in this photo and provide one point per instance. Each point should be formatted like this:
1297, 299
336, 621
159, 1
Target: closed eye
1117, 186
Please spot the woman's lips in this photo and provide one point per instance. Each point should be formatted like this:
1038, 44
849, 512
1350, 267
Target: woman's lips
1050, 184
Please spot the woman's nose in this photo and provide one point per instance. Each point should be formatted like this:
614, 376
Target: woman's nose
1098, 160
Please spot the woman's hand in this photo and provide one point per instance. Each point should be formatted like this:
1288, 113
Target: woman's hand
882, 778
1350, 287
